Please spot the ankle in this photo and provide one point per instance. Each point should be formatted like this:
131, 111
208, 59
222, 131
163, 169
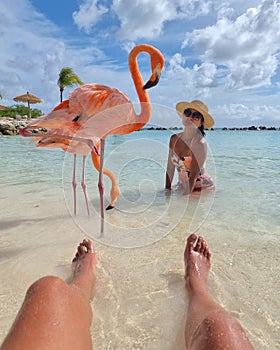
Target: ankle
196, 289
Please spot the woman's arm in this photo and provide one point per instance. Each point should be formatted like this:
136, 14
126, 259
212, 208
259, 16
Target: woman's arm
170, 166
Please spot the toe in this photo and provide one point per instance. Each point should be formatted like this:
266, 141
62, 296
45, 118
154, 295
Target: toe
205, 250
192, 239
198, 245
89, 245
203, 246
81, 249
190, 243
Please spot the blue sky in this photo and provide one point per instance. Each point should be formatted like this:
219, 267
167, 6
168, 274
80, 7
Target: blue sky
224, 52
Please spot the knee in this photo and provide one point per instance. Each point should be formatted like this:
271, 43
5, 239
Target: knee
219, 327
46, 287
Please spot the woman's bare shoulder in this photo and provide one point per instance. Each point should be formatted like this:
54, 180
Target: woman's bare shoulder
199, 144
175, 137
199, 139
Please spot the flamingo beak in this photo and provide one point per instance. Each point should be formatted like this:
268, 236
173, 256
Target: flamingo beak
24, 132
152, 81
28, 132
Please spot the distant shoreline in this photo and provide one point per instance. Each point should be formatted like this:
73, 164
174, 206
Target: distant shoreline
256, 128
10, 127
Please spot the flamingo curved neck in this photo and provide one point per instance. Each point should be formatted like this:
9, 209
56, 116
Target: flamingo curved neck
135, 72
143, 96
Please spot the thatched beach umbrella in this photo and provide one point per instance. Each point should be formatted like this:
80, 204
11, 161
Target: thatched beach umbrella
3, 108
30, 99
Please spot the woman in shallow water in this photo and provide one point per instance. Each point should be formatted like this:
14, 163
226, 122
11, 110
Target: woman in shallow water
188, 149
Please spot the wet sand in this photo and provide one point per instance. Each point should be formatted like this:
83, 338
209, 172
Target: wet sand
139, 300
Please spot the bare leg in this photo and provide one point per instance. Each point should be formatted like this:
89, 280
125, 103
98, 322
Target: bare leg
208, 325
54, 314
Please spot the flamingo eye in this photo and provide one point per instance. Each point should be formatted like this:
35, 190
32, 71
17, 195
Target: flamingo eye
76, 119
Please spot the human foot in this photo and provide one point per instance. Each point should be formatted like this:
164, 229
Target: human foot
83, 267
197, 263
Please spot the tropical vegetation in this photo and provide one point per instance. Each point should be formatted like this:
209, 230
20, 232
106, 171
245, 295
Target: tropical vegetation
20, 110
67, 78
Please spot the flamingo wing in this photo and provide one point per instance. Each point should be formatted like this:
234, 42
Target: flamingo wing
84, 103
89, 100
59, 118
107, 122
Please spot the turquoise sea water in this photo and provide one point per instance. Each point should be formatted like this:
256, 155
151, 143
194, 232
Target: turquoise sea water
240, 219
244, 164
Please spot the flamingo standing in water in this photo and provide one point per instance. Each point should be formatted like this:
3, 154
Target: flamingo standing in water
83, 149
90, 113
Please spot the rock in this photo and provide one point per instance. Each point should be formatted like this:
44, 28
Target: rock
252, 128
7, 128
10, 126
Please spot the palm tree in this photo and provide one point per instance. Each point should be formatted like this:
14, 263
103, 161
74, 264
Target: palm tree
1, 96
67, 78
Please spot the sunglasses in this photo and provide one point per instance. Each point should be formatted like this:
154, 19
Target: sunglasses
194, 115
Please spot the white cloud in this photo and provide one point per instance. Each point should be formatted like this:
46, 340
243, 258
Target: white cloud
177, 62
247, 46
238, 51
194, 8
246, 114
194, 81
89, 13
142, 19
33, 53
205, 74
26, 39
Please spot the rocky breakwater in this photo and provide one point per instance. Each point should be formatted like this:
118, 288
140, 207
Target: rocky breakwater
9, 126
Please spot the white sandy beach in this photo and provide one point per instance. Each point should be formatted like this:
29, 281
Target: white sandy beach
140, 300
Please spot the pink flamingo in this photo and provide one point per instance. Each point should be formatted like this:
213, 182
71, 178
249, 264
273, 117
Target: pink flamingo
89, 114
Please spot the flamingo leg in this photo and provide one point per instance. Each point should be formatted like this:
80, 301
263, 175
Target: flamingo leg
74, 184
100, 184
83, 183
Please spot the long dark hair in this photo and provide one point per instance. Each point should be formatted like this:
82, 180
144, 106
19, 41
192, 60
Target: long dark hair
201, 128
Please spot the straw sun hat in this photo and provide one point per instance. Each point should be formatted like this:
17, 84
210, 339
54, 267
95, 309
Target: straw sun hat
198, 106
